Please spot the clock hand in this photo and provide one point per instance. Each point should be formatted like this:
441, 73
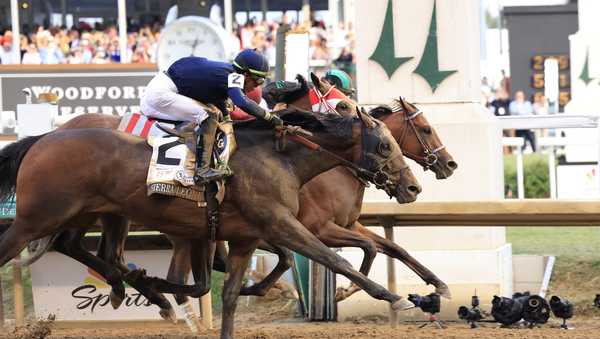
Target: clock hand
194, 44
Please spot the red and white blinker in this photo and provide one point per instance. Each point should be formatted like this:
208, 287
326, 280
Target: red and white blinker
326, 103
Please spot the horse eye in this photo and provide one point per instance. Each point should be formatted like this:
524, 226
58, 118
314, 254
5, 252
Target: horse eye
385, 149
343, 105
427, 130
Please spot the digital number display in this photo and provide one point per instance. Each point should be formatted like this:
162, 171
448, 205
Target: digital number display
564, 78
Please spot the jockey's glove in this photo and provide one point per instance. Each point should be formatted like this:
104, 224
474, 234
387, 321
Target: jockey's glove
276, 121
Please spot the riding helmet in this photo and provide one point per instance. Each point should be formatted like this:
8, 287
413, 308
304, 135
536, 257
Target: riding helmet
340, 79
249, 60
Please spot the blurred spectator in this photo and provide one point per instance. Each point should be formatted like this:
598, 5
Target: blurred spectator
32, 56
318, 50
49, 51
540, 105
486, 92
505, 81
6, 51
499, 106
520, 106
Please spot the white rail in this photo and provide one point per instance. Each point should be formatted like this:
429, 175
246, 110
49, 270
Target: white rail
550, 122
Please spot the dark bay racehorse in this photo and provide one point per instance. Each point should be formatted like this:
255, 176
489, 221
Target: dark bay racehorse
68, 174
343, 191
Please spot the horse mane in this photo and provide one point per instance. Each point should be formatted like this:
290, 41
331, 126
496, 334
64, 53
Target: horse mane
338, 126
385, 110
285, 91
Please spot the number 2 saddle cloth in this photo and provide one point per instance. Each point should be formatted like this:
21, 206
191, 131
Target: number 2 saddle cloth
172, 165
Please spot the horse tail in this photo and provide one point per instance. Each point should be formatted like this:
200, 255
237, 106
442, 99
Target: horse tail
10, 160
41, 246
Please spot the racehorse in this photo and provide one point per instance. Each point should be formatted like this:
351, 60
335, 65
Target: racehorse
67, 174
339, 187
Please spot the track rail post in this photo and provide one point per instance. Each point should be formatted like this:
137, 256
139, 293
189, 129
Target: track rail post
388, 227
18, 294
206, 308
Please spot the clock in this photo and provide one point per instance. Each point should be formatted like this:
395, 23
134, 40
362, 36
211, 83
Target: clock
191, 36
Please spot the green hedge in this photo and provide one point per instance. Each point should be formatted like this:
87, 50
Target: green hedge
537, 184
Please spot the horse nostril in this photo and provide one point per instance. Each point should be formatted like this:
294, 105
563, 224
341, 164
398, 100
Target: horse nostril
414, 189
452, 165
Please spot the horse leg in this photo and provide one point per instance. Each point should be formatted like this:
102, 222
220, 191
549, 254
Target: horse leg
334, 235
69, 244
290, 233
180, 266
393, 250
239, 256
12, 242
285, 262
220, 261
111, 249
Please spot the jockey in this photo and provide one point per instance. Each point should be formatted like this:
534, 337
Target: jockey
341, 80
182, 91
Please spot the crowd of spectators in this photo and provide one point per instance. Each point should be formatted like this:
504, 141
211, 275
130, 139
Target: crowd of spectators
85, 44
80, 45
498, 101
327, 46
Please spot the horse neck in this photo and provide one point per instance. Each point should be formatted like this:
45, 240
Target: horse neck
303, 162
396, 124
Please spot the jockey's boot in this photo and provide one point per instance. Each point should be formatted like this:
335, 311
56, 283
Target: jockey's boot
229, 146
204, 150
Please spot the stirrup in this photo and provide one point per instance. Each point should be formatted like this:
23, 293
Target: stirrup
209, 175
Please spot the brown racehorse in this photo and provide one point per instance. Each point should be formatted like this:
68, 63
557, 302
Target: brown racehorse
70, 173
416, 138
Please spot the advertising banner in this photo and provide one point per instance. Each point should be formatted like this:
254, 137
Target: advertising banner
71, 291
108, 90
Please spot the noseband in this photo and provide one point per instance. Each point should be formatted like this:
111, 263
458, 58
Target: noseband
431, 157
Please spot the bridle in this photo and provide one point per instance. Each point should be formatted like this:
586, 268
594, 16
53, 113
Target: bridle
380, 178
431, 157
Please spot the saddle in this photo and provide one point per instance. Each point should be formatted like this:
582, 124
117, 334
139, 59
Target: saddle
173, 161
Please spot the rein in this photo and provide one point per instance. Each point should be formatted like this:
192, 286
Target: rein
379, 178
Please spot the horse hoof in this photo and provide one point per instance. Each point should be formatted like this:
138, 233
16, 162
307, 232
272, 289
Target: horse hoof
293, 294
443, 291
168, 314
402, 305
115, 299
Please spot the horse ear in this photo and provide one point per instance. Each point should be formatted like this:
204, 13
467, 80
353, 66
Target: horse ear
403, 103
302, 81
364, 118
315, 79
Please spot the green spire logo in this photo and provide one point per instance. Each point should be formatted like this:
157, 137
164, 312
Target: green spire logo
428, 66
585, 72
385, 52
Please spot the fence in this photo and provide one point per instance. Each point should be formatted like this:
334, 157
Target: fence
547, 122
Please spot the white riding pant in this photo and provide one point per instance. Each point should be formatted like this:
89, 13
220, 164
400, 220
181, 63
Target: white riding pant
161, 101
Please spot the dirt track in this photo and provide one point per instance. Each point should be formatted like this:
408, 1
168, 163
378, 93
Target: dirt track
296, 329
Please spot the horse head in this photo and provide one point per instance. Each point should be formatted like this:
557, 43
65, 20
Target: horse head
416, 137
367, 143
321, 97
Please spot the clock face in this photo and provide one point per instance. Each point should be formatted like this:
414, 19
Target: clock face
191, 36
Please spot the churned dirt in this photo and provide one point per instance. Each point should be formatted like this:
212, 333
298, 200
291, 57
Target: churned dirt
284, 329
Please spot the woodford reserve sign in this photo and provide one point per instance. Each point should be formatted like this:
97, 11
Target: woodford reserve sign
109, 89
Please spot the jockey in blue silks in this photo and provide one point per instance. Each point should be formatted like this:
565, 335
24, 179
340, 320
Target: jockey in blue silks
178, 94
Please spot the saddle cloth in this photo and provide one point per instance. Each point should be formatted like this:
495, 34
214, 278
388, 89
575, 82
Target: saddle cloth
172, 166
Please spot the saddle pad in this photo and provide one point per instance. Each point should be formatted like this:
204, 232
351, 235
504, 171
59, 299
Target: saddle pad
171, 170
142, 126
